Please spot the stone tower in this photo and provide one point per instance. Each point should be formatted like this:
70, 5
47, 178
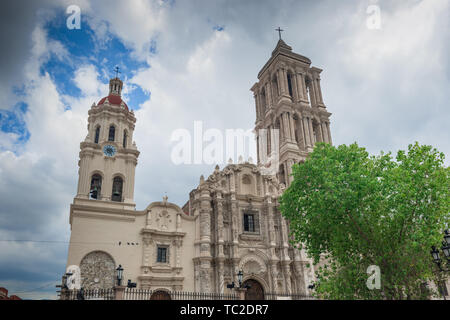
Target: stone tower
289, 110
108, 155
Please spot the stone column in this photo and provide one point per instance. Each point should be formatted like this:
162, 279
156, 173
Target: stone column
286, 129
268, 94
287, 278
311, 131
300, 86
220, 225
292, 125
319, 133
282, 89
302, 132
324, 132
329, 133
205, 240
274, 269
308, 134
319, 90
235, 221
221, 279
257, 105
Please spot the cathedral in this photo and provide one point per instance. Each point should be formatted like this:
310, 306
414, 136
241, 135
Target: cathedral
231, 223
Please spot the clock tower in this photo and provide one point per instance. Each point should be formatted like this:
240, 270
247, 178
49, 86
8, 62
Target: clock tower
108, 155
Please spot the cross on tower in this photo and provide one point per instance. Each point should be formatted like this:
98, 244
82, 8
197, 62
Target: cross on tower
116, 70
279, 31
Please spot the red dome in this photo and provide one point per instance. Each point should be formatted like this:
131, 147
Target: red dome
113, 99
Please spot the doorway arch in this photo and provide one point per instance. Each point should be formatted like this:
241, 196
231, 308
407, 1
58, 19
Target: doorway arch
255, 290
160, 295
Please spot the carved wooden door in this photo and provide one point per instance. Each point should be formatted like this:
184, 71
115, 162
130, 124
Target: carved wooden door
255, 292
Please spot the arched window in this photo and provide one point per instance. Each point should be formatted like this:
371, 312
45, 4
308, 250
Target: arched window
117, 189
112, 133
289, 81
96, 186
125, 136
97, 134
281, 175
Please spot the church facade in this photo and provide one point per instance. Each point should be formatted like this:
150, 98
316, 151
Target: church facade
231, 221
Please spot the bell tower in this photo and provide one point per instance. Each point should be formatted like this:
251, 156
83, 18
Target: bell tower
108, 155
288, 101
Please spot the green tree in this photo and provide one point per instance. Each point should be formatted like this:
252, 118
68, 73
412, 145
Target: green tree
350, 210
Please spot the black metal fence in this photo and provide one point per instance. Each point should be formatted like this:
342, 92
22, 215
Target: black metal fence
144, 294
88, 294
286, 296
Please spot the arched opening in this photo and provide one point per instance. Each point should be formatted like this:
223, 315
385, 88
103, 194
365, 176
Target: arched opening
281, 174
117, 189
125, 136
112, 133
255, 290
96, 186
308, 91
97, 134
160, 295
289, 81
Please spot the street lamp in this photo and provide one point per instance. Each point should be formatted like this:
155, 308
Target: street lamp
240, 275
445, 249
119, 274
435, 254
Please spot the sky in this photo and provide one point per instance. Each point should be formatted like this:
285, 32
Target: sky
385, 81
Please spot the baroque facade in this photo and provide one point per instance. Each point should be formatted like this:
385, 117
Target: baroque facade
231, 221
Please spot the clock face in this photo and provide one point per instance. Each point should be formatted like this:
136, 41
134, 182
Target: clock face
109, 150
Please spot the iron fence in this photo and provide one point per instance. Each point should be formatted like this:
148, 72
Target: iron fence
144, 294
286, 296
88, 294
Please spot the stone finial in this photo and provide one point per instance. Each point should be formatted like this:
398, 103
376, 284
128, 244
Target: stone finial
250, 160
202, 179
216, 169
240, 160
230, 161
165, 199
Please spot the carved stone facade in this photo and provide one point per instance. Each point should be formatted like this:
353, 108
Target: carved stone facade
98, 270
231, 221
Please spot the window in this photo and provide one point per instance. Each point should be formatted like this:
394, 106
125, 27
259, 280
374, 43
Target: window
125, 139
117, 189
162, 255
96, 186
251, 223
112, 133
289, 81
97, 134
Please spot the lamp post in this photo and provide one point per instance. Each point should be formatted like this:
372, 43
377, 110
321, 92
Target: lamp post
437, 257
241, 289
445, 249
119, 274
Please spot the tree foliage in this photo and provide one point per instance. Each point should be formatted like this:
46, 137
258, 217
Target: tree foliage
350, 210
